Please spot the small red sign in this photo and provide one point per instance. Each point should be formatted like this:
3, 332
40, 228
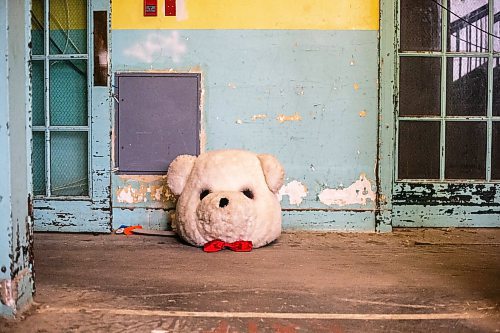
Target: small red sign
150, 7
170, 9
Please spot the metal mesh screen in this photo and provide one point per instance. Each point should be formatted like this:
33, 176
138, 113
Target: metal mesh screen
38, 165
68, 27
68, 163
65, 171
37, 26
68, 93
38, 101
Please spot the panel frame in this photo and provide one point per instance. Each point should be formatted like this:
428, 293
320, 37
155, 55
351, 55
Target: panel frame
92, 212
122, 74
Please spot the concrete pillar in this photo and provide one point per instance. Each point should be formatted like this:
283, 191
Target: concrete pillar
16, 236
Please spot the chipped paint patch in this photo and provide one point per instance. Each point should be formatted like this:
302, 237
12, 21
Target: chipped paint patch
283, 118
295, 190
125, 195
231, 85
135, 189
355, 86
131, 195
259, 116
358, 193
299, 90
8, 293
155, 46
362, 113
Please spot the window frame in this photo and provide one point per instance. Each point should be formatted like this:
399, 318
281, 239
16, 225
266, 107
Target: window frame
444, 55
47, 128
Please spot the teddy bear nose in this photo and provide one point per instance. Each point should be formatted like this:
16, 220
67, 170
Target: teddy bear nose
223, 202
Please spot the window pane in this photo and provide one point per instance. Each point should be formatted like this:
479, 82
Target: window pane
68, 92
465, 37
466, 86
37, 96
465, 150
100, 48
68, 27
68, 163
420, 26
419, 86
496, 26
496, 86
418, 153
37, 26
495, 151
38, 163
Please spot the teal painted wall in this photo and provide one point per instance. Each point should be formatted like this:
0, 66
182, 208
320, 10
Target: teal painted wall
16, 259
307, 96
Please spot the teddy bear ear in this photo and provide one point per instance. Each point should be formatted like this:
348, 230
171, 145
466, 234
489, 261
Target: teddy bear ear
273, 171
178, 173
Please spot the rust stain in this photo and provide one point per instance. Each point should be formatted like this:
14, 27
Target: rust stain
143, 188
259, 116
283, 118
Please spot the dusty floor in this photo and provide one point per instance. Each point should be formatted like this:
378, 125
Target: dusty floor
426, 280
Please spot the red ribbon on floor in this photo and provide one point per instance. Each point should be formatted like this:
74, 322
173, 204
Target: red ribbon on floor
239, 246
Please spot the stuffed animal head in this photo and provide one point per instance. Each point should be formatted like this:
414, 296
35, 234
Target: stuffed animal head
229, 195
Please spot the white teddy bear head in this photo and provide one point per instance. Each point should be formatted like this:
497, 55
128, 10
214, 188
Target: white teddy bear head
229, 195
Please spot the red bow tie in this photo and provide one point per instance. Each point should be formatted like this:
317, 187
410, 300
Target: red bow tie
239, 246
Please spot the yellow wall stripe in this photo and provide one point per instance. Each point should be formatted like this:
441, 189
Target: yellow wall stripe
251, 14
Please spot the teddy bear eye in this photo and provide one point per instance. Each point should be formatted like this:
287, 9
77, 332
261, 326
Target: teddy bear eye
248, 193
204, 193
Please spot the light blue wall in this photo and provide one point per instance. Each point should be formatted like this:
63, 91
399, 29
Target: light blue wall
328, 79
5, 189
16, 259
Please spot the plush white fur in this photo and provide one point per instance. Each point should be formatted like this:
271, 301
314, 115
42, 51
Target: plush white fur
226, 174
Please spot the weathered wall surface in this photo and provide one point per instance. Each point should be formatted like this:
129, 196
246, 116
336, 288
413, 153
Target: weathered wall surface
295, 80
16, 258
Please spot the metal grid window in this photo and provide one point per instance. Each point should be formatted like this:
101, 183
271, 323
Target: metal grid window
60, 98
448, 120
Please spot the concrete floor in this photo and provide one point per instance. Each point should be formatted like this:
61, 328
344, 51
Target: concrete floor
421, 280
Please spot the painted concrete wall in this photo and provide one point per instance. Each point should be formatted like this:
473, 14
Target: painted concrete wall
16, 259
297, 80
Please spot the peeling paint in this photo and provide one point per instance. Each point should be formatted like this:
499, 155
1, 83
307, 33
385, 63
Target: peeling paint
231, 85
8, 293
295, 190
259, 116
239, 121
156, 46
283, 118
139, 189
358, 193
299, 90
125, 195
